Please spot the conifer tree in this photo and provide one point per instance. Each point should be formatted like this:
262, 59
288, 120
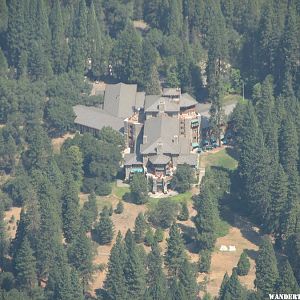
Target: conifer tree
184, 213
59, 46
149, 237
120, 207
176, 290
77, 58
81, 257
114, 283
25, 266
175, 254
152, 86
104, 230
140, 227
187, 277
3, 63
89, 212
223, 286
3, 16
134, 269
233, 289
266, 268
205, 260
139, 189
156, 280
3, 238
206, 218
70, 209
287, 282
127, 56
243, 265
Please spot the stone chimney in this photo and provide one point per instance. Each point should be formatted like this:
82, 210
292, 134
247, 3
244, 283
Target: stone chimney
145, 139
159, 148
175, 139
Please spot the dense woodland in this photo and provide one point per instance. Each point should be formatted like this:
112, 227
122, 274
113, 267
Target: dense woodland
49, 52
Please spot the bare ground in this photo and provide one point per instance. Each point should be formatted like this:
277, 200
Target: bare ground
57, 142
12, 223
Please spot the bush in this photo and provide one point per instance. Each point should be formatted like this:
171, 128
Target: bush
243, 265
183, 178
205, 260
159, 235
101, 188
140, 226
120, 207
139, 189
164, 213
104, 230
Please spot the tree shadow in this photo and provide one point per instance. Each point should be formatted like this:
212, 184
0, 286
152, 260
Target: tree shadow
189, 237
232, 152
251, 253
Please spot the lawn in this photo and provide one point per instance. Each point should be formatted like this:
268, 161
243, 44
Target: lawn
119, 192
218, 159
187, 196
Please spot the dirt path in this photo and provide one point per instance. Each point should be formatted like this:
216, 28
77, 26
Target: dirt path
57, 142
11, 217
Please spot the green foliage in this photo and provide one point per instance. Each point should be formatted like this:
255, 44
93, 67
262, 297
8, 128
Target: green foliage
243, 265
184, 212
183, 178
158, 235
149, 237
164, 213
140, 227
104, 229
175, 254
25, 266
120, 207
233, 288
205, 261
266, 268
89, 213
139, 189
287, 282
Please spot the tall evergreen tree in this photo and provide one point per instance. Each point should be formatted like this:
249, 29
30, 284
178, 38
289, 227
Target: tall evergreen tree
140, 227
25, 266
80, 256
187, 277
127, 55
3, 237
59, 46
266, 268
70, 209
89, 212
223, 286
114, 283
233, 289
104, 230
134, 269
175, 254
287, 282
78, 53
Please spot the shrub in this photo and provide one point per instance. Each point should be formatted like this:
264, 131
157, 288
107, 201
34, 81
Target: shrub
184, 212
159, 235
149, 237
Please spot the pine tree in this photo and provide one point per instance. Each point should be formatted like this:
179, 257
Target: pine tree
3, 237
205, 261
3, 63
187, 277
79, 39
59, 46
174, 18
25, 266
176, 290
89, 212
140, 227
287, 282
223, 286
139, 189
175, 254
81, 257
243, 265
3, 16
134, 269
120, 207
149, 237
127, 55
104, 230
156, 280
152, 86
276, 212
115, 283
266, 268
206, 218
233, 289
184, 213
70, 209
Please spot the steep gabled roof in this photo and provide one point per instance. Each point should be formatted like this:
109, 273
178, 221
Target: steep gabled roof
119, 99
159, 159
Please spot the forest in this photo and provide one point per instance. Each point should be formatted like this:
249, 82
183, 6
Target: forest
51, 52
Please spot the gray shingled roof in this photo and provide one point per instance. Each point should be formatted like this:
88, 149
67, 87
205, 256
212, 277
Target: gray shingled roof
171, 92
187, 100
190, 159
140, 99
96, 118
161, 130
159, 159
132, 159
152, 104
119, 99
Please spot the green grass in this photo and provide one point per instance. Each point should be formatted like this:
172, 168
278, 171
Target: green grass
222, 228
119, 192
219, 159
232, 98
187, 196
